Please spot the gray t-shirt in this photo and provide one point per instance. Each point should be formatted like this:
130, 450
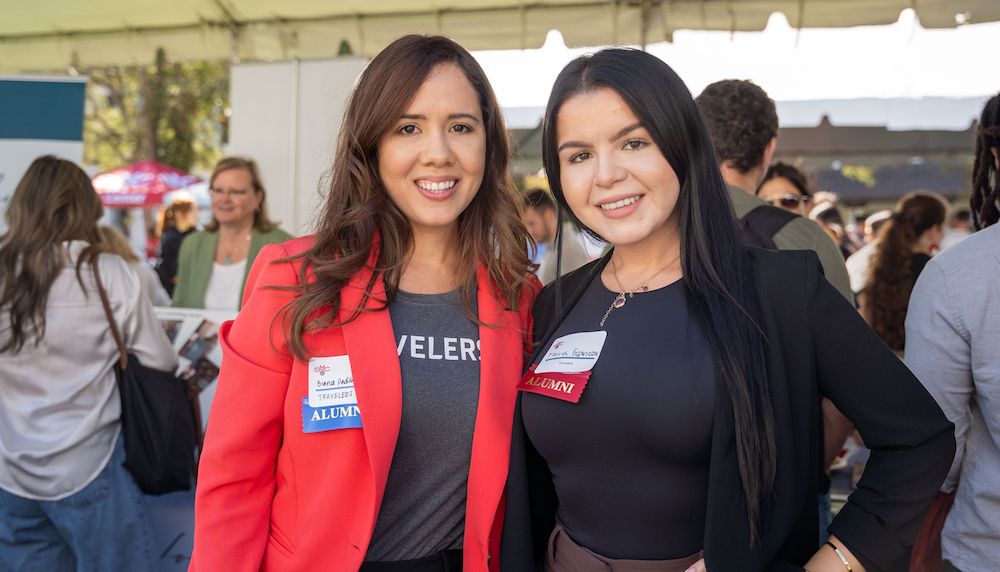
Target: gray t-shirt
423, 509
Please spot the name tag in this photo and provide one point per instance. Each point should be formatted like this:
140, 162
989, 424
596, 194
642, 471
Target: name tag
329, 418
331, 381
332, 402
573, 353
564, 370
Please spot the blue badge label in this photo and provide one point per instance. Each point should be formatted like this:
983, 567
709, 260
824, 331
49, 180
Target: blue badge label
346, 416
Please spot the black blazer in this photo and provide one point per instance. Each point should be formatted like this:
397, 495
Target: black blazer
817, 345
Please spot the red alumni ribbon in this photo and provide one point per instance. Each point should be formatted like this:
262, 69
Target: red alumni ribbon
565, 386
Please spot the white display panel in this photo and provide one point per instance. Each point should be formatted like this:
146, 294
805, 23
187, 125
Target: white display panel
287, 117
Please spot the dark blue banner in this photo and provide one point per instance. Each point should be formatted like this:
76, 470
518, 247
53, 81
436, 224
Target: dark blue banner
50, 110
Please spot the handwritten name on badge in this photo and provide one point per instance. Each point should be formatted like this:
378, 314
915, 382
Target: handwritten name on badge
331, 381
332, 402
573, 353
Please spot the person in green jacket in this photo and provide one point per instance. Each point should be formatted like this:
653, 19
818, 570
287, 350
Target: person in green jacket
213, 263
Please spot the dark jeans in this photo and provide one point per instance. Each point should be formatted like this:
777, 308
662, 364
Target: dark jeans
949, 567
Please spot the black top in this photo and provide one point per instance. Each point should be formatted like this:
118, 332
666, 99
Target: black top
630, 460
917, 264
817, 345
166, 263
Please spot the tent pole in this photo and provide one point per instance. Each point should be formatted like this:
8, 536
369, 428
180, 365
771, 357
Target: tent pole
293, 150
645, 11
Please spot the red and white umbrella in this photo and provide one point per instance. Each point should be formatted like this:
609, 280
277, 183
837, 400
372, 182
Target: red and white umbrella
140, 184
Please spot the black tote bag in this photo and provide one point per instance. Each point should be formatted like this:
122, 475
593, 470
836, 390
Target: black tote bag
159, 420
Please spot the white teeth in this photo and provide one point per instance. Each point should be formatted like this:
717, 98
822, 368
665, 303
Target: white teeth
619, 204
436, 187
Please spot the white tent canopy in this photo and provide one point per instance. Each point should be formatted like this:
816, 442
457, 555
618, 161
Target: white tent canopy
897, 114
53, 34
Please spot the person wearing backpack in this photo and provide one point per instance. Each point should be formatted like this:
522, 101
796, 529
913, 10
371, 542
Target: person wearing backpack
743, 123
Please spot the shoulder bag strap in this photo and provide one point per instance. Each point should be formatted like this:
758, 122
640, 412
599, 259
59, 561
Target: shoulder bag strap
109, 314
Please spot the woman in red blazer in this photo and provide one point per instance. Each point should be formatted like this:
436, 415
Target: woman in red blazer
326, 452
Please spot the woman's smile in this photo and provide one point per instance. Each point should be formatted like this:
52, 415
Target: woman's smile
433, 160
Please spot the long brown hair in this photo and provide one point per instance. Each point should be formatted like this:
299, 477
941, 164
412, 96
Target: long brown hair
890, 277
53, 203
985, 177
359, 219
261, 221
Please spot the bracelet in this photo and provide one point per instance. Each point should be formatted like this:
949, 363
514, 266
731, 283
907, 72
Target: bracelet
841, 554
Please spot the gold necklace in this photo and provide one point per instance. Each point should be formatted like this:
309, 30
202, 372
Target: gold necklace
229, 257
620, 298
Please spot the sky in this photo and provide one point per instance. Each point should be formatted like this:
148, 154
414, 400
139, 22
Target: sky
900, 60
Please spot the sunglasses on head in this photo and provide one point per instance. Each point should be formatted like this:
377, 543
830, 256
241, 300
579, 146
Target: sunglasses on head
788, 201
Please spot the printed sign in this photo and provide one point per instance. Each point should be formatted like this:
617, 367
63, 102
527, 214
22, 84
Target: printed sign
565, 386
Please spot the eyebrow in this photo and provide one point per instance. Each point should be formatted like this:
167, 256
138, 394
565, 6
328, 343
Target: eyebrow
615, 137
452, 116
627, 130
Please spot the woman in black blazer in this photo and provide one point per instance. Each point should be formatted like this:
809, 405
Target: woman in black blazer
671, 416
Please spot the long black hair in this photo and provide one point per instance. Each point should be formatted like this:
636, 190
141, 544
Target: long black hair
717, 275
984, 194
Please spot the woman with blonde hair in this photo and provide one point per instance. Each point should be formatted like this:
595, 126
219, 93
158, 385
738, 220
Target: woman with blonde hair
214, 263
66, 502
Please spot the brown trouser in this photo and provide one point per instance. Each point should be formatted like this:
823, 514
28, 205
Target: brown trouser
564, 555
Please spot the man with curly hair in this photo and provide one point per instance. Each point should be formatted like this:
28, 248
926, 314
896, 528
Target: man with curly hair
743, 123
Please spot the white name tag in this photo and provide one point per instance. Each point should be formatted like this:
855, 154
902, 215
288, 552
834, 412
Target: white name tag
331, 382
573, 353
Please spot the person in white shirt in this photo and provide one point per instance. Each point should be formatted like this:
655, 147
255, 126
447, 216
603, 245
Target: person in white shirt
542, 221
66, 502
959, 227
857, 263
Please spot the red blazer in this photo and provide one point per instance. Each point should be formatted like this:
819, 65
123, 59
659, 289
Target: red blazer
271, 497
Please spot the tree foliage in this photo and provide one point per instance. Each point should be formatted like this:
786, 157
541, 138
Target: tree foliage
175, 113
